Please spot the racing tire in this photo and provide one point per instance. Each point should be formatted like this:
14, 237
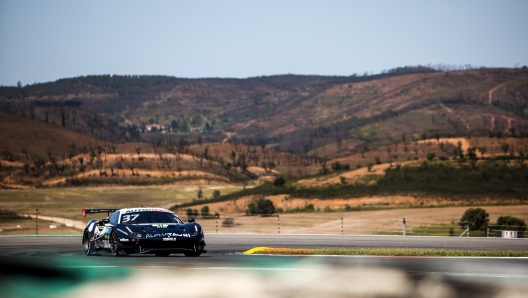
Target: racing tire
88, 245
162, 254
192, 254
114, 245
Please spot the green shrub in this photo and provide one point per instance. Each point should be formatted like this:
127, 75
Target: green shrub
261, 206
513, 224
475, 218
430, 156
279, 181
8, 215
336, 166
205, 211
216, 194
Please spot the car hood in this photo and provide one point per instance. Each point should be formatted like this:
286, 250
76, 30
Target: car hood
163, 230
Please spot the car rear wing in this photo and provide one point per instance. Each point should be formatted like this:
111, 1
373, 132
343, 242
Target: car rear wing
90, 211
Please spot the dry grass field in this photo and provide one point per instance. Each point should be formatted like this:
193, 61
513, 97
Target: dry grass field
65, 202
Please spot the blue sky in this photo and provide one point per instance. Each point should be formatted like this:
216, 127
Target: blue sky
42, 41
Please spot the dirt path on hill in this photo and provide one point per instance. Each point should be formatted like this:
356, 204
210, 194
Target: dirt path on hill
228, 136
465, 143
458, 117
490, 93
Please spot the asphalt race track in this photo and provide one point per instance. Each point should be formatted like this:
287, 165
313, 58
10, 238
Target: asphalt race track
451, 277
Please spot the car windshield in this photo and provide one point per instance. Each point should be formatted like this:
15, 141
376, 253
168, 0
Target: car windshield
150, 217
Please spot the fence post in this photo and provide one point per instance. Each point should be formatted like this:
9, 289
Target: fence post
404, 226
467, 229
216, 223
36, 221
278, 223
342, 225
487, 230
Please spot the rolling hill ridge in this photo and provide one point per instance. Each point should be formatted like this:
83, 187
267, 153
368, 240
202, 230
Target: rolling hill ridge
324, 116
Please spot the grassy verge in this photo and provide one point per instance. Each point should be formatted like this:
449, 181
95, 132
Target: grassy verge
403, 252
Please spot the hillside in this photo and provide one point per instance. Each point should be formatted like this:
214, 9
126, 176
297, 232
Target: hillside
323, 116
241, 130
25, 138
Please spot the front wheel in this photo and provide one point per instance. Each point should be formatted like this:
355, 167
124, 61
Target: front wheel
88, 245
192, 254
114, 246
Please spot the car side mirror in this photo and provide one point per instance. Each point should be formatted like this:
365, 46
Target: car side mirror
104, 221
191, 219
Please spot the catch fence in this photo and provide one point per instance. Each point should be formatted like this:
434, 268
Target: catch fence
46, 222
502, 231
325, 223
38, 222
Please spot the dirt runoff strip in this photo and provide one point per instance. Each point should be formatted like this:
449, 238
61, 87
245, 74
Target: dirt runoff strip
400, 252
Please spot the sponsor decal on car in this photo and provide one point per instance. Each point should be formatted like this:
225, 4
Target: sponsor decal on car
107, 232
167, 235
147, 209
161, 226
169, 239
123, 240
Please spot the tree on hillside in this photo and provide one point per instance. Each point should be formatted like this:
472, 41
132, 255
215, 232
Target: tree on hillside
279, 181
261, 206
430, 156
505, 147
216, 194
475, 218
482, 151
471, 153
175, 125
271, 166
369, 166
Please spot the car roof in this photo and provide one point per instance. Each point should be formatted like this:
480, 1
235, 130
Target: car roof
144, 209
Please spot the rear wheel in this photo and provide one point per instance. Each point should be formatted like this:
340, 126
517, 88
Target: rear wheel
114, 246
192, 254
87, 243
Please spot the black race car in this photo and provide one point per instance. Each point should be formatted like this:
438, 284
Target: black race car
142, 230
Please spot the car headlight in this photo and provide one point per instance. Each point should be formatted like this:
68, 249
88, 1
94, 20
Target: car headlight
195, 231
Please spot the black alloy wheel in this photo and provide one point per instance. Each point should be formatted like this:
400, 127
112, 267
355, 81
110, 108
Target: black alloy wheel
87, 244
114, 246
